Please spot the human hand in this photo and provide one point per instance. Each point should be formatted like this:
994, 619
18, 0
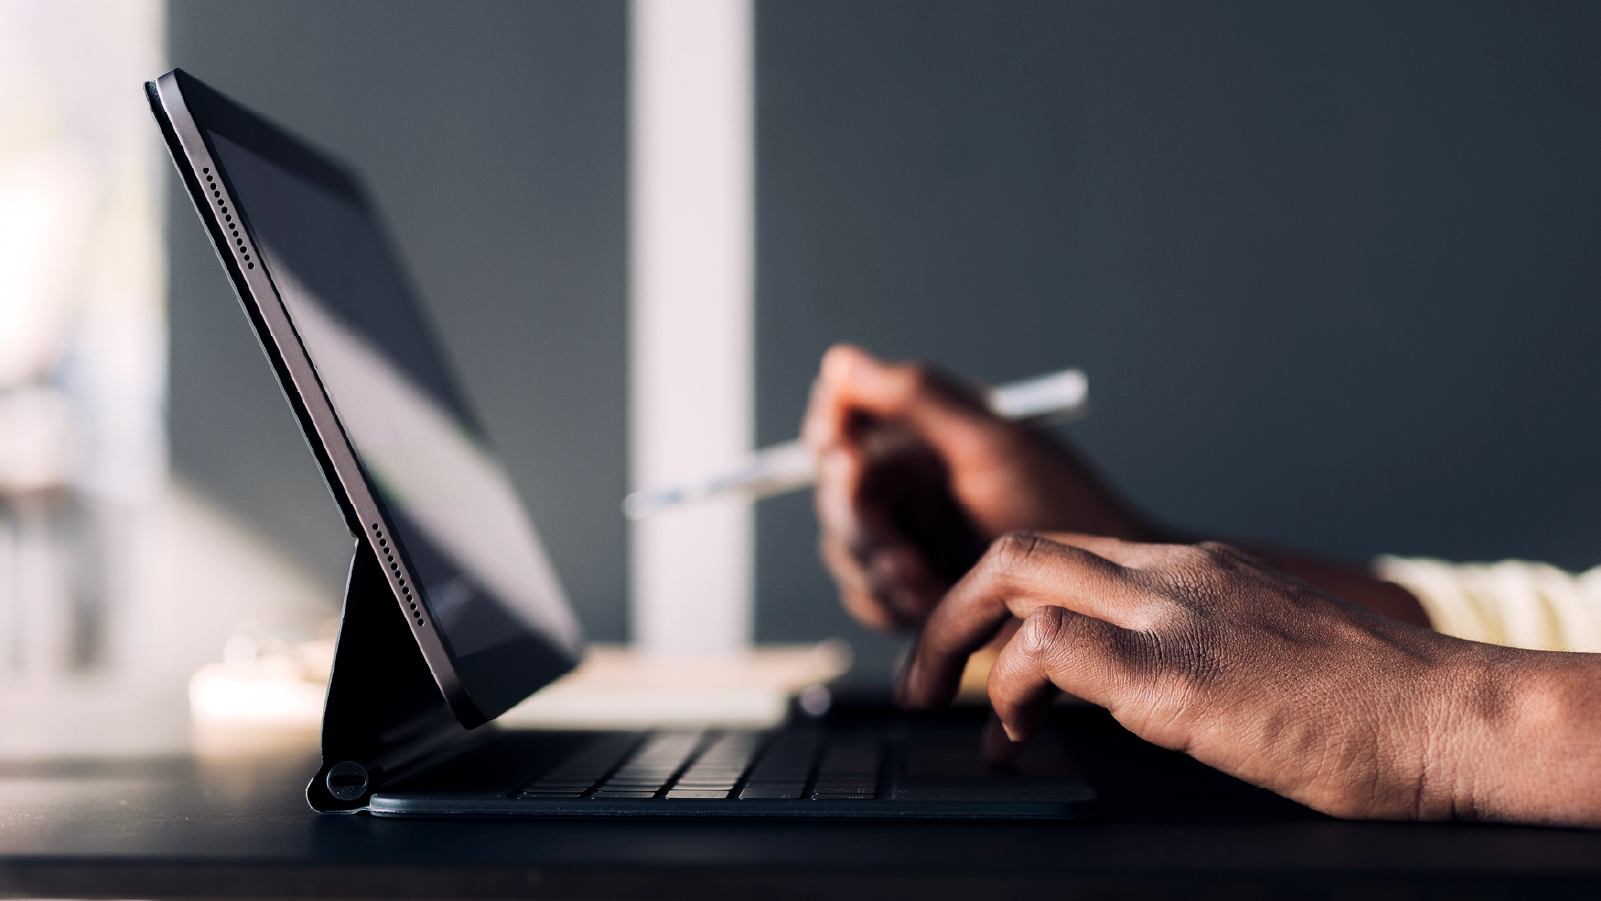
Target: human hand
1205, 650
916, 477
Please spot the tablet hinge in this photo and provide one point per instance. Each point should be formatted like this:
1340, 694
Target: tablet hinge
384, 715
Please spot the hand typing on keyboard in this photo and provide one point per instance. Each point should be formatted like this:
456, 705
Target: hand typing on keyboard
1308, 677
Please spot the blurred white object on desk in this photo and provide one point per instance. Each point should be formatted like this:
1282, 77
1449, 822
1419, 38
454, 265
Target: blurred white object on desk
284, 688
621, 688
615, 687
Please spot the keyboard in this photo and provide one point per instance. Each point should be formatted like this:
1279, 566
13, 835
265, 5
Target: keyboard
717, 765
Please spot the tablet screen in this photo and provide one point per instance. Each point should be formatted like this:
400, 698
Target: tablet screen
482, 569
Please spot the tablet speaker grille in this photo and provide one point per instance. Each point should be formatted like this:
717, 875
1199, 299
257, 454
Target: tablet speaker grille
394, 569
229, 223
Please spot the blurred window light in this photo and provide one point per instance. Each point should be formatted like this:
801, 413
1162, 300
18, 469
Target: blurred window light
82, 333
82, 284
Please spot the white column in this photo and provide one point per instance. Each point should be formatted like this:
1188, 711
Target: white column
691, 377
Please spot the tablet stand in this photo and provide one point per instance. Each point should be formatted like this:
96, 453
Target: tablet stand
384, 710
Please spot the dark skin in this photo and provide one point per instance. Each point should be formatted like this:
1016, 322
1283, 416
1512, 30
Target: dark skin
1306, 676
1003, 476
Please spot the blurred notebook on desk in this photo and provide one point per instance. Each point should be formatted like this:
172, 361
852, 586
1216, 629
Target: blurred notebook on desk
453, 613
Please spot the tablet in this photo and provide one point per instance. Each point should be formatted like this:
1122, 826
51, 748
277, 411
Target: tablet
399, 447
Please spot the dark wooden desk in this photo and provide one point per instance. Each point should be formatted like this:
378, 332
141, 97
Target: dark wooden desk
186, 827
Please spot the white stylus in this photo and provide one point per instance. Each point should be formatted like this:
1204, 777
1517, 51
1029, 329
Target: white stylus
1046, 399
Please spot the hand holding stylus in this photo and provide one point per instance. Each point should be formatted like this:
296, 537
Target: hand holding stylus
917, 473
1042, 400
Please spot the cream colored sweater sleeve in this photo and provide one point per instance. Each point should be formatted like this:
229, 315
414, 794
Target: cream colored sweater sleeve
1514, 603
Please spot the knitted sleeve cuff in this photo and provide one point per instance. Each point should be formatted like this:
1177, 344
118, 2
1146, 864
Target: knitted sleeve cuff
1514, 603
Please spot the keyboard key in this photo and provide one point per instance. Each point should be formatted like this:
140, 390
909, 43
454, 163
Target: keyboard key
580, 770
652, 765
720, 765
788, 759
790, 766
773, 792
698, 794
849, 769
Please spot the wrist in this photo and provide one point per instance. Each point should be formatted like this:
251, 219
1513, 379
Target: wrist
1519, 739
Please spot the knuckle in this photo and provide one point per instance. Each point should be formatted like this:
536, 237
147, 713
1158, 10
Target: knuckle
918, 382
1190, 555
1218, 552
1195, 571
835, 360
1186, 571
1015, 550
1040, 636
917, 378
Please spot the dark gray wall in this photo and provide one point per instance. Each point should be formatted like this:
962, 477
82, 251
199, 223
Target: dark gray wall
1333, 267
493, 135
